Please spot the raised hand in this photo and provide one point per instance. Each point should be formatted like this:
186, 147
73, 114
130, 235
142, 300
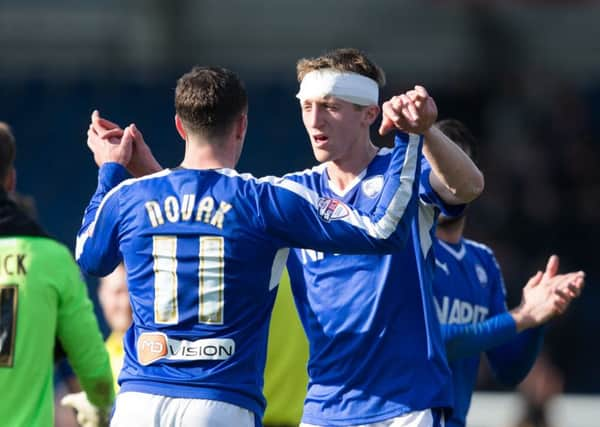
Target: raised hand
142, 161
414, 111
551, 267
105, 128
547, 295
111, 149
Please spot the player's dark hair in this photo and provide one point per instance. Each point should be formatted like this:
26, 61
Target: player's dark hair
461, 135
345, 60
208, 99
8, 150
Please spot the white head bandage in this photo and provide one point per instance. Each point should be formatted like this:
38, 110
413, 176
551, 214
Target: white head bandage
351, 87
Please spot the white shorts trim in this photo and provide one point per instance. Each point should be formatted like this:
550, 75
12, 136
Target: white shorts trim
412, 419
133, 409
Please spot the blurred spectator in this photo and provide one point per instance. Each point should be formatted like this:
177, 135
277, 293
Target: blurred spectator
114, 299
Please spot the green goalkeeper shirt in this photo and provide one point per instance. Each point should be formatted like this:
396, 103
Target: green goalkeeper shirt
42, 297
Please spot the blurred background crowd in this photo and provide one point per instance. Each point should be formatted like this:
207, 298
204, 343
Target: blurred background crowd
523, 75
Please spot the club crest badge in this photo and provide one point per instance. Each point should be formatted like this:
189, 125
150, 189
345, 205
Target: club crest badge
372, 186
331, 209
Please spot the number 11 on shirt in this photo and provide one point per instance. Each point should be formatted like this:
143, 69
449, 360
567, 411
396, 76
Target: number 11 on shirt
210, 279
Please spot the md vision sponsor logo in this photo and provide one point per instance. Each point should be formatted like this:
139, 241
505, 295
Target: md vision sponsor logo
153, 346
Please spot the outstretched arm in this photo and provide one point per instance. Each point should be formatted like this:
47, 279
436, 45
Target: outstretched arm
300, 217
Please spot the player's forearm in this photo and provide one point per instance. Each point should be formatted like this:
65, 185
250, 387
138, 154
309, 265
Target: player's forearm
523, 320
472, 339
512, 361
455, 177
90, 361
99, 387
94, 249
109, 176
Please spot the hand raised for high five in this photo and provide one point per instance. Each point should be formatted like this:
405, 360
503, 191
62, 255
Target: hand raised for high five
547, 295
126, 146
414, 111
112, 148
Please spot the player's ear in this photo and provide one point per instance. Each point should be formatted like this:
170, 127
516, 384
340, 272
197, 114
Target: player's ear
10, 182
242, 126
370, 114
180, 129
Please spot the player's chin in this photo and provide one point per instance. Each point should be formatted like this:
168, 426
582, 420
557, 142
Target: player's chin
322, 155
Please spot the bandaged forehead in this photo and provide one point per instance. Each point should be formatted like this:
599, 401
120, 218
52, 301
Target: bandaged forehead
351, 87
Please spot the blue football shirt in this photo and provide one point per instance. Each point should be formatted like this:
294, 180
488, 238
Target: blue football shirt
204, 251
375, 344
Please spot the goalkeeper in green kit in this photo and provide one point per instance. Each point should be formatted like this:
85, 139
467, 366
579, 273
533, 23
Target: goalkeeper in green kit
43, 298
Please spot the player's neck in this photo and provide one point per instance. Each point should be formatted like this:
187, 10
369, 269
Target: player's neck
203, 155
451, 231
342, 172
